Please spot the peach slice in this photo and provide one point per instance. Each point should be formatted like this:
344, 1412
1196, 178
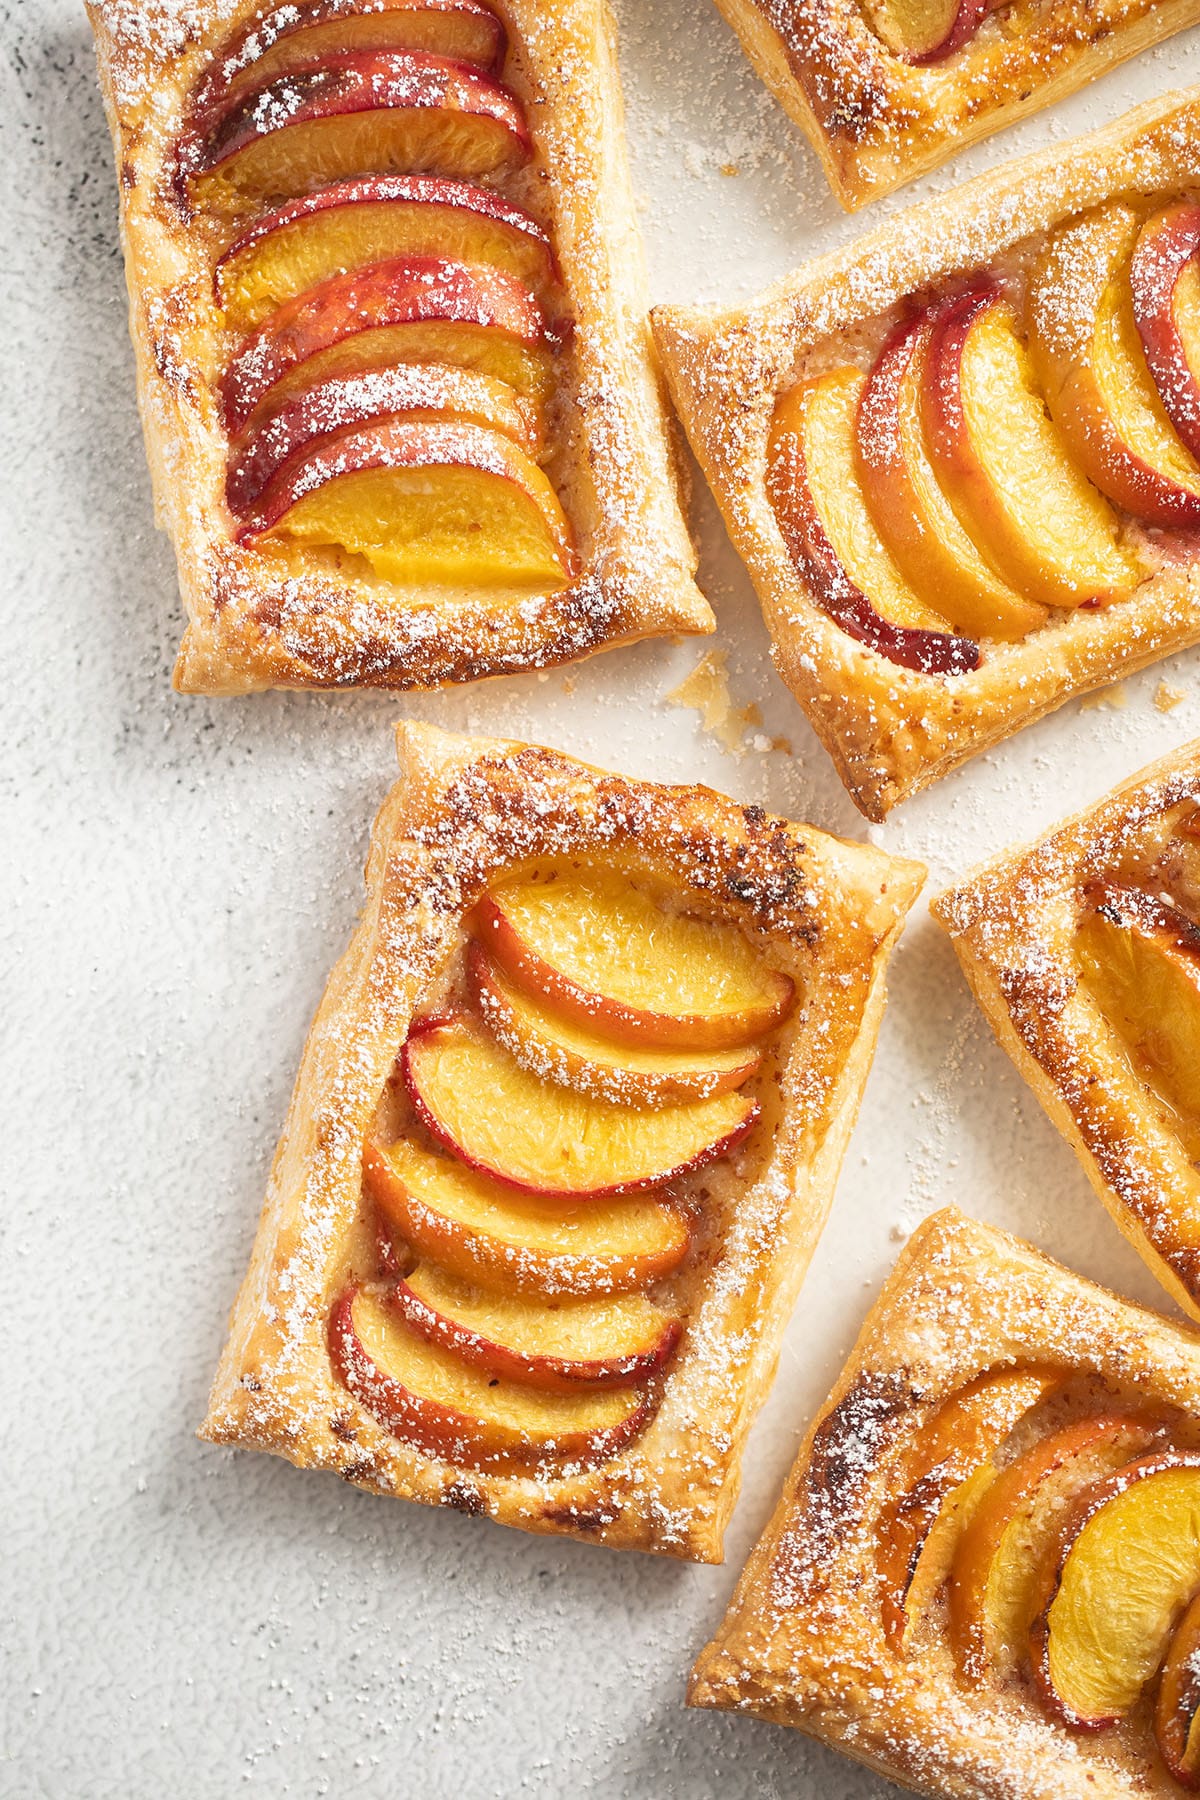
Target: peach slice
1164, 279
356, 113
1140, 958
1128, 1563
916, 521
1177, 1706
438, 502
418, 392
378, 219
559, 1347
1088, 360
496, 1117
995, 1579
1004, 467
488, 1233
449, 1409
550, 1045
615, 959
299, 33
927, 31
813, 485
944, 1481
411, 309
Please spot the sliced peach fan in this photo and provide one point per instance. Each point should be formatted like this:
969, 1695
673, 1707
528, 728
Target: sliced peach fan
294, 35
355, 113
544, 1139
611, 955
435, 502
422, 393
353, 223
411, 308
487, 1232
452, 1411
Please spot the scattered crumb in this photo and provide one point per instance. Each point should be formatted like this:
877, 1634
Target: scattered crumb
1110, 699
568, 685
1167, 698
706, 690
730, 169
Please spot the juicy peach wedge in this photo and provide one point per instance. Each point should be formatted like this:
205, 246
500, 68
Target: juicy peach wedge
354, 113
814, 489
1005, 468
420, 393
1127, 1565
488, 1233
1164, 279
1177, 1705
446, 1408
995, 1579
381, 217
913, 516
557, 1346
1141, 961
410, 309
1088, 359
435, 502
613, 957
549, 1044
921, 32
299, 33
497, 1118
944, 1481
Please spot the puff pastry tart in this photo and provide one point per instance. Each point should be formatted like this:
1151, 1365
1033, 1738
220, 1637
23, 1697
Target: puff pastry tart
960, 458
1084, 952
565, 1133
386, 303
982, 1576
885, 90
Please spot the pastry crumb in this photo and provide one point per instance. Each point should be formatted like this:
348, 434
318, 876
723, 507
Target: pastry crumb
730, 168
1109, 699
1167, 698
706, 691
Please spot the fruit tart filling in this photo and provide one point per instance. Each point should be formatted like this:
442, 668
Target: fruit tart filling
554, 1158
1137, 946
1019, 445
390, 330
1050, 1527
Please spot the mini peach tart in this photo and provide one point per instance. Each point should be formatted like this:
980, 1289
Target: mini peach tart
562, 1143
1084, 952
959, 458
983, 1576
400, 413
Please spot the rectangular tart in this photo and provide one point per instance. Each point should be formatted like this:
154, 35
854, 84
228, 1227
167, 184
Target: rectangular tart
999, 300
460, 295
441, 1156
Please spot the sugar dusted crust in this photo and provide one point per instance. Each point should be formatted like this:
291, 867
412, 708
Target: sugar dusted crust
1012, 926
254, 622
465, 812
891, 730
877, 121
803, 1642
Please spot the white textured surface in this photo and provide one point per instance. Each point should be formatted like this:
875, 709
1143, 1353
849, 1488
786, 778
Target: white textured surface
178, 876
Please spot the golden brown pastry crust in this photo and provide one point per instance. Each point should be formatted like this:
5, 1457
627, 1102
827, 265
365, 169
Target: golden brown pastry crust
1012, 925
803, 1641
892, 730
465, 812
254, 623
876, 121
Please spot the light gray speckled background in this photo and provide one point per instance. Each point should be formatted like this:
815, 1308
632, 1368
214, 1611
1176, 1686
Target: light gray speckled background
179, 874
